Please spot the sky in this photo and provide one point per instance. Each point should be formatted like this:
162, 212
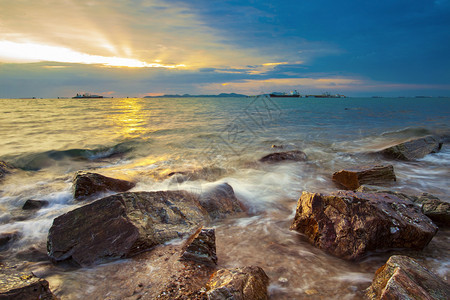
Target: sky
118, 48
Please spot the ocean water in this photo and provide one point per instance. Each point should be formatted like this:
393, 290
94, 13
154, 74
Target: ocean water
221, 139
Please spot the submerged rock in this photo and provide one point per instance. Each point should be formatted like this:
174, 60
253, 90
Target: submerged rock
349, 224
123, 225
7, 238
201, 247
414, 149
434, 208
238, 284
23, 286
294, 155
34, 204
86, 184
220, 201
352, 178
403, 278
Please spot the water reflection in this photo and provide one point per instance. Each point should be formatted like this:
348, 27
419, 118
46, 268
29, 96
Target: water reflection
130, 117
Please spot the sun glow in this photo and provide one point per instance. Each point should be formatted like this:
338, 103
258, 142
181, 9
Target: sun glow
30, 52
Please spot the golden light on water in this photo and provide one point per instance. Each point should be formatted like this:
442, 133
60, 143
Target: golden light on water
31, 52
129, 118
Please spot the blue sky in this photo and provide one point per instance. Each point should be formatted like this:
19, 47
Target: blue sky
51, 48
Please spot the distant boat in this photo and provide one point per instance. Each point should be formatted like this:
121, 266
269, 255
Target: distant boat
294, 94
326, 95
86, 95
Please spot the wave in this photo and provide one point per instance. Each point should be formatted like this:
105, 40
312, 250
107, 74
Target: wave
37, 161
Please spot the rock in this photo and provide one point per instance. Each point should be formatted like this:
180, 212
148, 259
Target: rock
34, 204
403, 278
7, 238
351, 179
435, 209
86, 184
23, 286
5, 168
294, 155
349, 224
201, 247
220, 201
241, 283
123, 225
414, 149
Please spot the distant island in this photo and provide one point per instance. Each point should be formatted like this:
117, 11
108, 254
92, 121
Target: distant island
222, 95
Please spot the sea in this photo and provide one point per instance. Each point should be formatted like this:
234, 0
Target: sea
220, 140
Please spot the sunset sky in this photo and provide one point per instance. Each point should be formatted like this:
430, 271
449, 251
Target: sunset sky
51, 48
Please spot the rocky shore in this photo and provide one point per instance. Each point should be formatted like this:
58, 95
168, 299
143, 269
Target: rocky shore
366, 218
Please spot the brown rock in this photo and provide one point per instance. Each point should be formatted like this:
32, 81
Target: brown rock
34, 204
123, 225
414, 149
351, 179
201, 247
86, 184
403, 278
22, 286
294, 155
238, 284
221, 201
435, 209
349, 224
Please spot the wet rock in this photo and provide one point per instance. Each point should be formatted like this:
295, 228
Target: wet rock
403, 278
23, 286
220, 201
201, 247
434, 208
7, 238
5, 168
294, 155
414, 149
349, 224
241, 283
210, 173
34, 204
86, 184
123, 225
351, 179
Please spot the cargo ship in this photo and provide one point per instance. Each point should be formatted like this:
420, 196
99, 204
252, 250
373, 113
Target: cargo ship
86, 95
294, 94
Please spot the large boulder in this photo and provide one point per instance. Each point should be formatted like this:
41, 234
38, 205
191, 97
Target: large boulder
22, 286
86, 184
403, 278
414, 149
434, 208
352, 178
123, 225
349, 224
294, 155
238, 284
220, 201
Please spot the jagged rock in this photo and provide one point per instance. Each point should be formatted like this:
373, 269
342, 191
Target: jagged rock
6, 238
123, 225
349, 224
86, 184
220, 201
352, 178
34, 204
201, 247
414, 149
294, 155
5, 168
23, 286
403, 278
238, 284
435, 209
